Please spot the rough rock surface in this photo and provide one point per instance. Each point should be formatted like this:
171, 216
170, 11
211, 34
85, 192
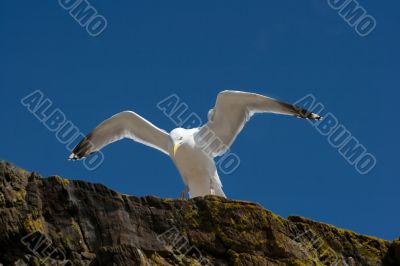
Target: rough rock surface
53, 221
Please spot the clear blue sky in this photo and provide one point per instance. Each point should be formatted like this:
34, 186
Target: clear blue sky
151, 49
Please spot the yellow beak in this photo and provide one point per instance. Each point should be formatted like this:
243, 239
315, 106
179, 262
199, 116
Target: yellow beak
176, 146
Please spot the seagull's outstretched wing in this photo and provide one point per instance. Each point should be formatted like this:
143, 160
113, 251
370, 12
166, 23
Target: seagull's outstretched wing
126, 124
233, 109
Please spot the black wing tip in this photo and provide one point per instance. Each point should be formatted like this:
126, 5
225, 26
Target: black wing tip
73, 157
303, 113
82, 149
310, 116
313, 116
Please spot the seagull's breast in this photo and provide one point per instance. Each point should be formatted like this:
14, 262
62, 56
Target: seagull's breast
193, 164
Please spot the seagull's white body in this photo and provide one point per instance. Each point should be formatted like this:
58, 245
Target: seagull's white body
191, 150
196, 167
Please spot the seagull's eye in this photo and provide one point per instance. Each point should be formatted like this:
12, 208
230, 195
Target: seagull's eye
180, 138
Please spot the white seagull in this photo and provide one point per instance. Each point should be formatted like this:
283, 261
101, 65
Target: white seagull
192, 150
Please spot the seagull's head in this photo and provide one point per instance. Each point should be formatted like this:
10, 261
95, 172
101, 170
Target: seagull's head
178, 137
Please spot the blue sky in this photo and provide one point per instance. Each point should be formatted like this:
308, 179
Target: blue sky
152, 49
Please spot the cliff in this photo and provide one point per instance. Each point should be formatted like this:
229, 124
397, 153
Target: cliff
54, 221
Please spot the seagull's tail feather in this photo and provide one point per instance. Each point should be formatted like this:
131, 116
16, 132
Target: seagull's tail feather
217, 190
83, 149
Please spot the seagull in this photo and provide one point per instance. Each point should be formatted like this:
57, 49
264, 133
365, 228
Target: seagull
192, 150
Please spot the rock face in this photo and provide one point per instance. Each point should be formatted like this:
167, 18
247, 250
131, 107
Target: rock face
53, 221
